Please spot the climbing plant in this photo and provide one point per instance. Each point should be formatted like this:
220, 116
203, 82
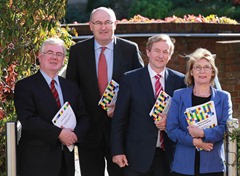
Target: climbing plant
24, 25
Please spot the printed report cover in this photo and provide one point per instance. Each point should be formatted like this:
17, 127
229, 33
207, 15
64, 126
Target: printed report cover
109, 95
66, 118
203, 116
161, 105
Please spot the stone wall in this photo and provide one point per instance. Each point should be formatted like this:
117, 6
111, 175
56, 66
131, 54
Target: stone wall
221, 39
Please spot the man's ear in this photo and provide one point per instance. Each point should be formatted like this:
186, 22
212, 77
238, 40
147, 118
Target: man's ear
147, 52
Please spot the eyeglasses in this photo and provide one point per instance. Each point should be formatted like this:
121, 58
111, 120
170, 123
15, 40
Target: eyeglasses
99, 23
205, 68
52, 54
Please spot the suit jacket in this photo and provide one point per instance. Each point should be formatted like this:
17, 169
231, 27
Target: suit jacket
184, 157
40, 151
133, 130
82, 69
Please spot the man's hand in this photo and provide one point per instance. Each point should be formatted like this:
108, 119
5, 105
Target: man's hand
120, 160
161, 124
111, 108
67, 137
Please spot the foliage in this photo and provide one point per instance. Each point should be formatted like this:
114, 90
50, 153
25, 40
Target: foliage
150, 8
205, 7
235, 135
24, 25
80, 13
74, 13
187, 18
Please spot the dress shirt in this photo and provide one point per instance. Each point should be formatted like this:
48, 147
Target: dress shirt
108, 55
57, 85
152, 74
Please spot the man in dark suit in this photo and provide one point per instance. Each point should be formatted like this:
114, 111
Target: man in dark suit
135, 136
121, 56
43, 146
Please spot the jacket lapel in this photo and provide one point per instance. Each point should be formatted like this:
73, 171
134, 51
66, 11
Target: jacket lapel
91, 64
45, 89
117, 55
215, 97
186, 97
146, 83
169, 82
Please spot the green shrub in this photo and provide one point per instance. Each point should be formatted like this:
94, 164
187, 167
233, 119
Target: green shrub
24, 25
150, 8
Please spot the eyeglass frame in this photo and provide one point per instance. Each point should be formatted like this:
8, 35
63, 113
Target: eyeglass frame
51, 53
100, 23
205, 68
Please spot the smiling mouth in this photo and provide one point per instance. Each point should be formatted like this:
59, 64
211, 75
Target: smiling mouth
53, 63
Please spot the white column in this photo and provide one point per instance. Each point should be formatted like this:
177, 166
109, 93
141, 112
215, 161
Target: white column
232, 148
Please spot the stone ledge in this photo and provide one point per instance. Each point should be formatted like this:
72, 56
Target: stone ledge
130, 28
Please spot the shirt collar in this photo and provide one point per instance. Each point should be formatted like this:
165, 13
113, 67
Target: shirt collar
152, 73
49, 79
97, 46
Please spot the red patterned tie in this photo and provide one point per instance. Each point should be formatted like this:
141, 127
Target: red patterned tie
102, 72
158, 88
55, 93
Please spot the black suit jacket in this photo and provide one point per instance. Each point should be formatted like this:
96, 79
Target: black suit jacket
82, 69
133, 130
40, 151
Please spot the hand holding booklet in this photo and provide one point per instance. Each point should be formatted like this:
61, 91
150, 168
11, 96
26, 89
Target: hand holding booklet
109, 95
66, 118
161, 105
204, 116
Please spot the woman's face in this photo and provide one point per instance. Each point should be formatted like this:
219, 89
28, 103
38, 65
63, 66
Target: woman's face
202, 72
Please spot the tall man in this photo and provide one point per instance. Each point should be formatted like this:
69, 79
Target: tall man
42, 149
86, 68
137, 143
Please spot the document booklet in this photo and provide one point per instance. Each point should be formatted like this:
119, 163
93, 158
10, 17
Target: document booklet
161, 105
109, 95
66, 118
204, 116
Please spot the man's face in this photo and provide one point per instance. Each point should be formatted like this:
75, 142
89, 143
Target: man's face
103, 26
51, 59
159, 55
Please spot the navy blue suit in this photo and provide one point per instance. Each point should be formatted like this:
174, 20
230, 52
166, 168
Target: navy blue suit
40, 151
133, 130
82, 70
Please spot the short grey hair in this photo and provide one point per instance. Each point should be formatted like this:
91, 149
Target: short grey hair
53, 41
108, 10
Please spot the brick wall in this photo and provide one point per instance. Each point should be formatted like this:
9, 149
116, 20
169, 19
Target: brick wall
188, 38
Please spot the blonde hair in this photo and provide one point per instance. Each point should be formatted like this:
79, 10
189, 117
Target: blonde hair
197, 55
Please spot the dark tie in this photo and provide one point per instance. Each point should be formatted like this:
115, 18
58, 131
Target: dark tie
102, 72
55, 93
158, 88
